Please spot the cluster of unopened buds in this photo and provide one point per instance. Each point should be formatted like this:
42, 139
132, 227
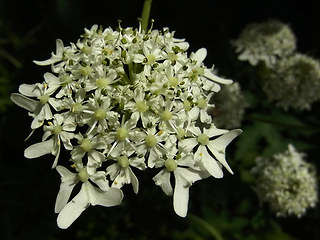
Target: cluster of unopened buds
122, 101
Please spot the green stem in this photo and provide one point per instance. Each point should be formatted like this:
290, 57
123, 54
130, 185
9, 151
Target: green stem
145, 15
211, 229
131, 75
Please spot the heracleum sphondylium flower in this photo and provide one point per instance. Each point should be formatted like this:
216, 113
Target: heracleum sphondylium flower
287, 182
123, 101
265, 42
294, 82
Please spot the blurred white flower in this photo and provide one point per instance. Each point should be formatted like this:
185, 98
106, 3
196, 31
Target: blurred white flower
294, 82
229, 106
287, 182
265, 42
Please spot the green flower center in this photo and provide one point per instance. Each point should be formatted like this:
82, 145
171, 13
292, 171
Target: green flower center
83, 175
99, 114
166, 115
173, 81
76, 107
172, 56
170, 164
203, 139
122, 134
102, 82
44, 98
200, 71
85, 71
141, 106
57, 130
151, 59
202, 103
123, 161
151, 140
86, 144
86, 50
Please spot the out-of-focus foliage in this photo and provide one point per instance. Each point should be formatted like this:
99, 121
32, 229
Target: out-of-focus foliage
224, 208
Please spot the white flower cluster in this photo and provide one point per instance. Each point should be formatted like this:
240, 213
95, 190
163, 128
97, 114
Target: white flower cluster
265, 42
294, 82
123, 101
286, 182
229, 106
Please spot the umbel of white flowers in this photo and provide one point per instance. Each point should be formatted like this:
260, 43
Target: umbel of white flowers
123, 101
286, 182
294, 82
265, 42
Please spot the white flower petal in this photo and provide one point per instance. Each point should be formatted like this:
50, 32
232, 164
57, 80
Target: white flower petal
153, 157
162, 179
210, 75
54, 57
77, 154
24, 102
194, 113
113, 171
56, 152
183, 45
109, 198
29, 90
74, 208
180, 196
45, 62
46, 111
99, 178
208, 162
199, 55
184, 178
218, 146
188, 144
68, 181
39, 149
63, 195
51, 79
211, 86
195, 130
187, 160
95, 159
66, 175
65, 138
56, 104
134, 181
213, 131
138, 163
204, 116
122, 178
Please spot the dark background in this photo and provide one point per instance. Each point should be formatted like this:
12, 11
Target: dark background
28, 31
